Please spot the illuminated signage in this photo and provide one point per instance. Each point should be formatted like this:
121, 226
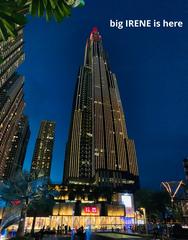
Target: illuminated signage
15, 202
92, 210
128, 202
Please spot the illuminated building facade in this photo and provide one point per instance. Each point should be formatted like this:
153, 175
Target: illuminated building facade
15, 159
99, 215
42, 156
100, 166
14, 130
185, 166
99, 152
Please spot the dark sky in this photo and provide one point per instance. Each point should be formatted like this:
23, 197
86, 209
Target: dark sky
151, 65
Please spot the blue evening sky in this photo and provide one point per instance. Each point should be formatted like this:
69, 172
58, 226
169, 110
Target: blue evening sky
151, 65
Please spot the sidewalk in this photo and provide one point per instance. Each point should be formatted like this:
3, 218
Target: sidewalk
55, 237
98, 236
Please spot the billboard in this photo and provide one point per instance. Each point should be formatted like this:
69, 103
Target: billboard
128, 201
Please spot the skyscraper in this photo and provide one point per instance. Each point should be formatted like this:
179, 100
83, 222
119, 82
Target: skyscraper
15, 158
12, 145
185, 166
42, 156
99, 151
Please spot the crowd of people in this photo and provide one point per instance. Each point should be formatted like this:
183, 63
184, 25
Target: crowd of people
79, 234
158, 230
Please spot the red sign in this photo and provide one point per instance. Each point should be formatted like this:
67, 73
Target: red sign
15, 202
90, 210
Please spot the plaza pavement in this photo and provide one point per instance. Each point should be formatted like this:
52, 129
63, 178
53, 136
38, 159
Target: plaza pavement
99, 236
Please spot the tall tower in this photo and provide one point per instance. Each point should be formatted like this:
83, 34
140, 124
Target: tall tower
185, 166
99, 151
42, 156
15, 159
12, 143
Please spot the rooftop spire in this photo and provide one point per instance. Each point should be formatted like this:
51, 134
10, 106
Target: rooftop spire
94, 30
95, 34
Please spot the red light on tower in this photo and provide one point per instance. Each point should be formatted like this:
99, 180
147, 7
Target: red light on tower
95, 30
95, 34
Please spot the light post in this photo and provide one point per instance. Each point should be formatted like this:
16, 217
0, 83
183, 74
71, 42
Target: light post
145, 219
72, 232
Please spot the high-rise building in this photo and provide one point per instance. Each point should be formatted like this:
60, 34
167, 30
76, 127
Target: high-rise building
99, 151
15, 158
42, 156
12, 135
185, 166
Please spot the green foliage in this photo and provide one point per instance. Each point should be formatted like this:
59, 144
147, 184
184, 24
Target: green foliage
75, 3
44, 204
28, 192
13, 12
22, 187
51, 8
1, 60
155, 202
10, 17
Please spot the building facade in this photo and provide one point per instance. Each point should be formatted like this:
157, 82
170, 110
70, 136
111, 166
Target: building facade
42, 156
14, 128
15, 159
100, 167
185, 166
99, 151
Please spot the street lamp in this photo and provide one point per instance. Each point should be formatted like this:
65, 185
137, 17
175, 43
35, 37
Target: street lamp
72, 232
145, 218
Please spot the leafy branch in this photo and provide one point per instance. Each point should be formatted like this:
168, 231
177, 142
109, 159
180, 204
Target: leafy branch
13, 12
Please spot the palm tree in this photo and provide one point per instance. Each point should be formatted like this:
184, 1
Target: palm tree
13, 12
22, 191
10, 17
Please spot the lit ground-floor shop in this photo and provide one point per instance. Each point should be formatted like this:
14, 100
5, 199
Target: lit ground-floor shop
95, 222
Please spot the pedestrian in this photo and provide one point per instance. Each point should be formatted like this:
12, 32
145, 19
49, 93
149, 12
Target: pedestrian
155, 231
66, 228
58, 229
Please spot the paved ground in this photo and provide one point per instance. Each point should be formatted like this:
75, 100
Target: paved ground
114, 236
98, 236
56, 237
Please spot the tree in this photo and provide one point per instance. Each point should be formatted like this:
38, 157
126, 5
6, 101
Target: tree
155, 203
39, 207
13, 12
22, 191
10, 17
